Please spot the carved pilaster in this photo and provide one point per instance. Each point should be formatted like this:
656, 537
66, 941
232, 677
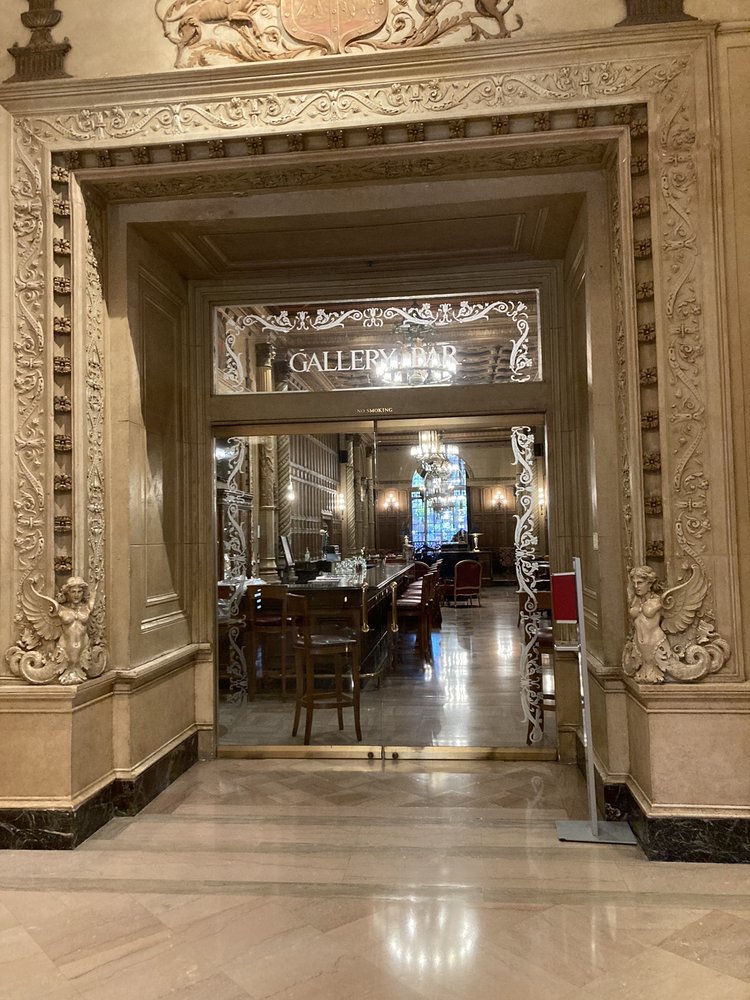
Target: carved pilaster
284, 481
34, 437
264, 358
41, 58
268, 515
95, 392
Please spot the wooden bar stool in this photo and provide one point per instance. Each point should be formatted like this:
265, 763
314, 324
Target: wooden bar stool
266, 616
322, 656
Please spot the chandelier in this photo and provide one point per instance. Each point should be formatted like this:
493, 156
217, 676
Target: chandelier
433, 454
435, 467
442, 501
416, 361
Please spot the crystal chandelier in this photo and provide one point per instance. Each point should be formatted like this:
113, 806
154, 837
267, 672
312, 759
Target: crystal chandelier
435, 467
442, 501
416, 361
432, 452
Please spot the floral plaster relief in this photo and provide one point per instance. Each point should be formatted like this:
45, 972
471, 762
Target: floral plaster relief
137, 42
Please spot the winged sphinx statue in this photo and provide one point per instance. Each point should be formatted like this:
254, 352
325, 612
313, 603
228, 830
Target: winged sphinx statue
668, 638
55, 643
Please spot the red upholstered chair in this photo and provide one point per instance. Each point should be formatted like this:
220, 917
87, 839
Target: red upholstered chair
467, 581
321, 657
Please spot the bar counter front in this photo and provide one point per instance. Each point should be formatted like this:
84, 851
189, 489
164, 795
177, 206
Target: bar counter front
368, 607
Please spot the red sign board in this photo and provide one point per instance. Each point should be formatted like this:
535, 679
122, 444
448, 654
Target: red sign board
564, 598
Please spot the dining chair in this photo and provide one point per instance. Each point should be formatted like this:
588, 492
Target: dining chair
322, 659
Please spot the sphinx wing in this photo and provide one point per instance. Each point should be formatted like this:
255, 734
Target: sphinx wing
681, 603
42, 612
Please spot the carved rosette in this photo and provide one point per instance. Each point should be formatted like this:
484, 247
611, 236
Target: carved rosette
522, 442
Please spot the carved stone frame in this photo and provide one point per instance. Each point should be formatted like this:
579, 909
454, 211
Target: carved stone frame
667, 70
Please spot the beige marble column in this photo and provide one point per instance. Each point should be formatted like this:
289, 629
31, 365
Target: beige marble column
268, 513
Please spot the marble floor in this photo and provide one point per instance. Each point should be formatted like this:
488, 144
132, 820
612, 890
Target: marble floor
359, 880
467, 693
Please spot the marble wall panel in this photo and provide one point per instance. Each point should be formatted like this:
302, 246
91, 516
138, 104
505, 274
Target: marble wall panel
699, 759
639, 741
159, 712
91, 752
57, 742
26, 773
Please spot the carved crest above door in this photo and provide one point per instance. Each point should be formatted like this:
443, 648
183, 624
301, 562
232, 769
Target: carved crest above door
332, 23
221, 32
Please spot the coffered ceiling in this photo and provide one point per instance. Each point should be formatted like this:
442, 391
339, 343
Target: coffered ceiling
520, 229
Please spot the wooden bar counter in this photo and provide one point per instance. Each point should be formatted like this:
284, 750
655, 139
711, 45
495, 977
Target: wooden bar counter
369, 608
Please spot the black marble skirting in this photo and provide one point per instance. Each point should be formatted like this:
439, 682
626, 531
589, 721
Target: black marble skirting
64, 829
679, 838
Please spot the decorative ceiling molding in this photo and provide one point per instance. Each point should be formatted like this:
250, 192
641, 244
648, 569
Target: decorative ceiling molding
378, 164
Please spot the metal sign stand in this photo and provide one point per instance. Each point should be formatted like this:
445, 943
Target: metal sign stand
595, 831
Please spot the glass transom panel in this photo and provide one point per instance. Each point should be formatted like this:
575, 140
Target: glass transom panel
477, 339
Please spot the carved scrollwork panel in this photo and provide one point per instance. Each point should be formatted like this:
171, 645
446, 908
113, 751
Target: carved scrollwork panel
95, 391
30, 349
522, 442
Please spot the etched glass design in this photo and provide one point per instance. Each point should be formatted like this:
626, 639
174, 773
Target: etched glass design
476, 339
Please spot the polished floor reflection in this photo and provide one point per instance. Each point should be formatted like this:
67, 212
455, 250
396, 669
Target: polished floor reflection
466, 694
367, 880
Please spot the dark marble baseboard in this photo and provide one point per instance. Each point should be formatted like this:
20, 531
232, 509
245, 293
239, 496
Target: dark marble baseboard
680, 838
64, 829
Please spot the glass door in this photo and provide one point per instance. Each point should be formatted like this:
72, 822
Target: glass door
449, 497
303, 611
407, 539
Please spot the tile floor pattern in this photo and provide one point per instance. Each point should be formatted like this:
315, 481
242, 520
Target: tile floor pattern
357, 880
466, 694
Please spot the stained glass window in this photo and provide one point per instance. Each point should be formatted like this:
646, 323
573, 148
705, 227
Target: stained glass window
445, 515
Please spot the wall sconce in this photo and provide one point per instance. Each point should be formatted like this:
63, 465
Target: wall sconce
541, 500
290, 495
391, 504
341, 503
498, 499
